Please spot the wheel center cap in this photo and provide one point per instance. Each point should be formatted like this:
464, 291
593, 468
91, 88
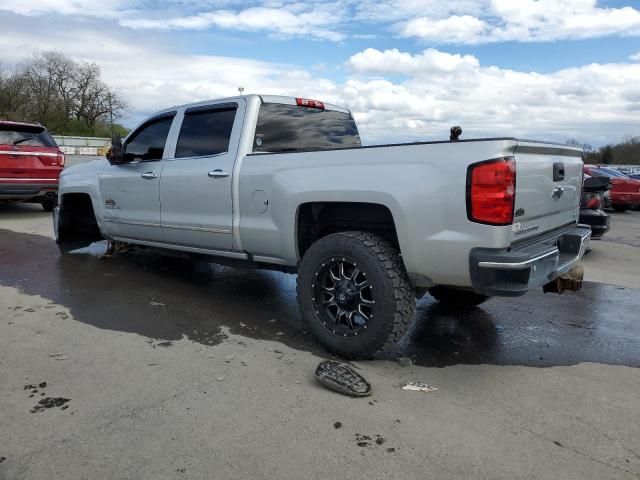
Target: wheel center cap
346, 295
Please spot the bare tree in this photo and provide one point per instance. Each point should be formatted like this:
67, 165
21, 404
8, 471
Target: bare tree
53, 89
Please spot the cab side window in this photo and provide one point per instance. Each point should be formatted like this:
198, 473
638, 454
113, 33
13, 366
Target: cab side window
147, 143
205, 132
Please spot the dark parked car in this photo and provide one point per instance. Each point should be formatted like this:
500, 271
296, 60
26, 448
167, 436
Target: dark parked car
592, 203
30, 164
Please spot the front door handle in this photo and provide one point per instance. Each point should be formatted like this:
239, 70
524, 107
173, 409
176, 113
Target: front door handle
218, 173
149, 175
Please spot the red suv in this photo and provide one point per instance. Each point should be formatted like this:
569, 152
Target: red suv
625, 191
30, 164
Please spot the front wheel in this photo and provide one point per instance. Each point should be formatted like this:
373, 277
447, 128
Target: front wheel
452, 297
354, 294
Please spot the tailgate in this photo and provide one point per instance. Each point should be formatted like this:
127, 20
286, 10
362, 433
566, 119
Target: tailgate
32, 164
548, 187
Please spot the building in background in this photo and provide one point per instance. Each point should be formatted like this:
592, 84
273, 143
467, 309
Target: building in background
71, 145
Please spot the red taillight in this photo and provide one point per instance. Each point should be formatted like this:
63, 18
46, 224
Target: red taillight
61, 159
305, 102
491, 191
592, 201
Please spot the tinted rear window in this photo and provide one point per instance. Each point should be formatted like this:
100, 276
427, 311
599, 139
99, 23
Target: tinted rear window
32, 136
205, 133
289, 128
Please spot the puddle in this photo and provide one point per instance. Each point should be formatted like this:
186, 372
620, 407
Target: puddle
167, 299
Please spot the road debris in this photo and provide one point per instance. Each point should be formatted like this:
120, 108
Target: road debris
363, 440
51, 402
337, 425
419, 387
157, 304
2, 459
341, 378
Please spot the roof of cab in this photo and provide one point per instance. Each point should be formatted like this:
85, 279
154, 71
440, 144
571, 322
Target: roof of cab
11, 123
286, 100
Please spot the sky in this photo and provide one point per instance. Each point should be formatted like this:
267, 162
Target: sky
408, 69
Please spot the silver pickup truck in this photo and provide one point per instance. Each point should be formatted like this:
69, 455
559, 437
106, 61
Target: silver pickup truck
284, 183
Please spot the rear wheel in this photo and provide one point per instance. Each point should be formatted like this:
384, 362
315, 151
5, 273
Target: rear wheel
452, 297
354, 294
620, 208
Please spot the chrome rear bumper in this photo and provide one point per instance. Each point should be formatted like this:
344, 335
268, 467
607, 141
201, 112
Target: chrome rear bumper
515, 271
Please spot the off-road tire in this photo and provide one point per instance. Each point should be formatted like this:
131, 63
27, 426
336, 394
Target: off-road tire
393, 293
455, 298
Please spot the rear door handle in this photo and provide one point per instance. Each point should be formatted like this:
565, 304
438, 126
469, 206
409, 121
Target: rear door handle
149, 175
217, 173
558, 172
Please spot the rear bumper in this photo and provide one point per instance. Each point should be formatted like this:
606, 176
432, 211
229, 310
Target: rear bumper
25, 191
513, 272
597, 219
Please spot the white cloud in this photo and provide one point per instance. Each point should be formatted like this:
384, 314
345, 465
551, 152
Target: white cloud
592, 102
314, 23
453, 21
372, 61
394, 95
92, 8
525, 20
455, 29
635, 57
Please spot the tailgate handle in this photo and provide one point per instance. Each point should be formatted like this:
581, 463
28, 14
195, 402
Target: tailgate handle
558, 172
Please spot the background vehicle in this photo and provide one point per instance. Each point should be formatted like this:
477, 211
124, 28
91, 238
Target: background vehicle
592, 203
30, 164
284, 183
625, 191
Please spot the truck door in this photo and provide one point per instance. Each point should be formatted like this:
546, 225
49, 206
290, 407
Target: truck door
195, 189
131, 191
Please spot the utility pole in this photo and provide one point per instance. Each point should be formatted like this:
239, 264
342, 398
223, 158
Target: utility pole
110, 115
240, 89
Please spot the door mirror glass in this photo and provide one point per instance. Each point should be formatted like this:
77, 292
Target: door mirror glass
115, 155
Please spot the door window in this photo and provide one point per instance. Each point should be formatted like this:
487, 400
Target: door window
205, 132
147, 143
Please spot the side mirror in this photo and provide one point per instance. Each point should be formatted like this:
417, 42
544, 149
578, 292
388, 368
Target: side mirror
115, 155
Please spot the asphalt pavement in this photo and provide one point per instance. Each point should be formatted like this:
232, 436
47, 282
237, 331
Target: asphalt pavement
160, 367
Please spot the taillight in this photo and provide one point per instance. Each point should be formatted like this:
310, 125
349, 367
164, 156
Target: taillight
592, 200
491, 191
305, 102
60, 159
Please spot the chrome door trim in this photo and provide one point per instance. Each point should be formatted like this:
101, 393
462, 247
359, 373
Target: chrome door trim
31, 154
197, 229
131, 222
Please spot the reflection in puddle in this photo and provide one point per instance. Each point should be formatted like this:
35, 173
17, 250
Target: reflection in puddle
167, 299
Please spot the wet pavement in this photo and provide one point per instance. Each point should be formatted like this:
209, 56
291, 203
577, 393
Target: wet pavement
166, 299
